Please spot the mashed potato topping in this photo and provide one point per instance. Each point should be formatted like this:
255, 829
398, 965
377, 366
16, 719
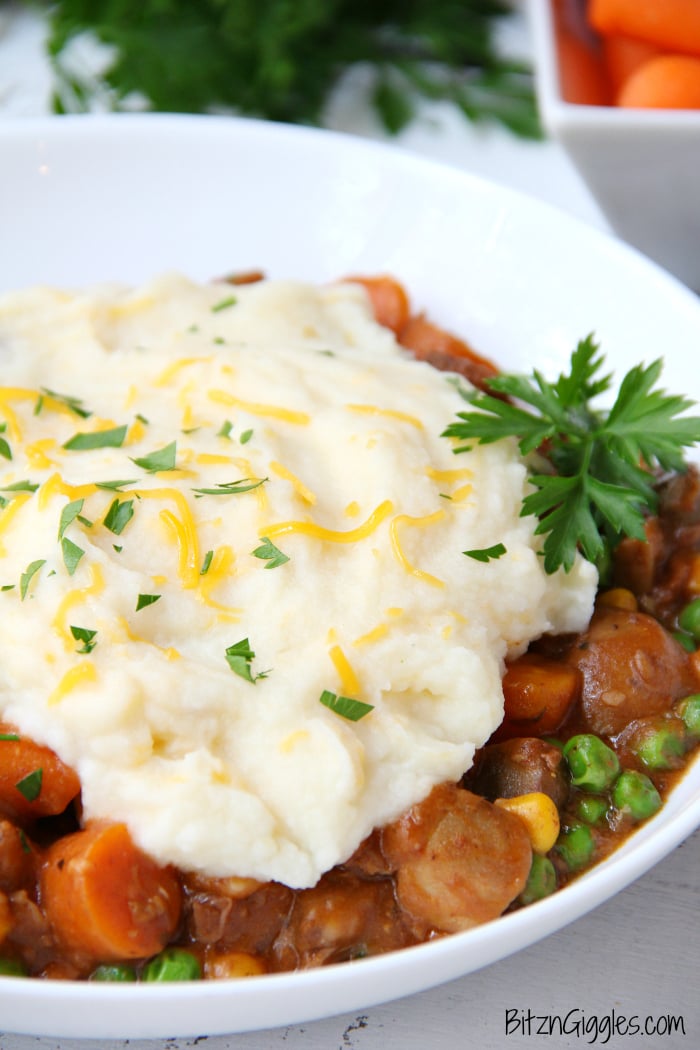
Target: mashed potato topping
234, 591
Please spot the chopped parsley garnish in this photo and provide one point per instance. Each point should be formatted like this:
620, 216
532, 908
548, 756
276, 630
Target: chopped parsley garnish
602, 482
28, 575
87, 637
146, 599
231, 488
245, 437
119, 515
225, 429
84, 441
11, 737
70, 512
161, 459
239, 658
30, 786
224, 304
72, 554
21, 486
5, 449
345, 706
115, 485
206, 563
269, 553
75, 404
487, 553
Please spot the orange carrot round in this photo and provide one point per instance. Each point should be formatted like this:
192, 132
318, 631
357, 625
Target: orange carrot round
388, 298
623, 55
439, 348
665, 82
673, 25
106, 899
34, 782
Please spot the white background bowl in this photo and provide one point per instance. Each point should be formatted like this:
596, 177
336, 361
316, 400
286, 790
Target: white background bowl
90, 199
642, 166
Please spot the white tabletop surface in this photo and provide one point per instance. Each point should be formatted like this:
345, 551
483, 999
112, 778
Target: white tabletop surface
636, 957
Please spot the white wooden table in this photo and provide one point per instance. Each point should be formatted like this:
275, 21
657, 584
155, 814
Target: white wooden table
636, 957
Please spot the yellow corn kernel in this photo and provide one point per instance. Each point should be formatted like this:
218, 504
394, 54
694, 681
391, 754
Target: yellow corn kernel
539, 815
224, 965
618, 598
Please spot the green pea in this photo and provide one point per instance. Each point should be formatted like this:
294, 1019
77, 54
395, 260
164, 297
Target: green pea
591, 809
635, 795
173, 964
686, 640
12, 968
661, 746
592, 764
575, 846
541, 881
689, 619
689, 710
113, 972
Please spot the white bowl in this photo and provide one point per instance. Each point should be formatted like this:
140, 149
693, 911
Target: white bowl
642, 166
97, 198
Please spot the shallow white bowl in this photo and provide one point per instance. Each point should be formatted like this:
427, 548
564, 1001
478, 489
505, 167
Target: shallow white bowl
90, 199
642, 166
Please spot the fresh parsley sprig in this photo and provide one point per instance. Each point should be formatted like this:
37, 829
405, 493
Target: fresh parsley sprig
603, 462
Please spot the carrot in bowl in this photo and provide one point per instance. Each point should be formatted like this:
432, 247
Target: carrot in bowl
34, 782
673, 25
105, 898
623, 55
664, 82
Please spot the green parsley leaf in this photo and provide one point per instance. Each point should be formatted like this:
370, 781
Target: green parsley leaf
245, 437
72, 554
239, 658
487, 553
75, 404
225, 429
269, 553
86, 636
30, 786
598, 491
82, 442
146, 599
162, 459
11, 737
206, 563
231, 488
224, 304
345, 706
5, 449
20, 486
119, 515
28, 575
68, 515
114, 486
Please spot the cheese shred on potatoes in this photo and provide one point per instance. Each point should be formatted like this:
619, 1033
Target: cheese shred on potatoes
234, 590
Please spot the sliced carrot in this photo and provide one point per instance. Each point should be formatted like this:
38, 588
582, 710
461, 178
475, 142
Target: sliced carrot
539, 693
34, 782
439, 348
388, 298
623, 55
673, 25
106, 899
665, 82
582, 73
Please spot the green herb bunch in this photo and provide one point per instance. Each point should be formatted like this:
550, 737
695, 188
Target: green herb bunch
280, 59
604, 464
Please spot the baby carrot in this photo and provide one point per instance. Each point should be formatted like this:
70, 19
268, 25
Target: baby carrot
665, 82
623, 55
582, 74
673, 25
105, 899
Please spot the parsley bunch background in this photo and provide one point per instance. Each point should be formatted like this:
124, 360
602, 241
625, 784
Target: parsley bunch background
280, 59
603, 463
